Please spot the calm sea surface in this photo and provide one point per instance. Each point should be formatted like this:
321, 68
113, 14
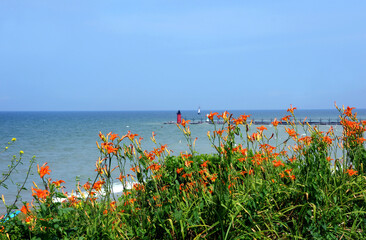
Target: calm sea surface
66, 140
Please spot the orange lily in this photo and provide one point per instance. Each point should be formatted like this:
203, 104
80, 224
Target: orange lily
41, 194
98, 185
25, 209
211, 115
291, 109
348, 111
291, 132
43, 170
275, 122
184, 122
277, 163
58, 183
261, 128
351, 172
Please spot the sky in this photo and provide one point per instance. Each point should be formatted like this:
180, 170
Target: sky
167, 55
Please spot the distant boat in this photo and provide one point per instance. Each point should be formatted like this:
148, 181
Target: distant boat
199, 111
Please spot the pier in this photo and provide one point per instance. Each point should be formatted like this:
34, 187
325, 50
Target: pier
310, 121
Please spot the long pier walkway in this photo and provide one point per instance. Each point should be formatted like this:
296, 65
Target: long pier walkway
310, 121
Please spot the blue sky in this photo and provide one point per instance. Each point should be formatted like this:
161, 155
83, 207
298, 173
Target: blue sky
168, 55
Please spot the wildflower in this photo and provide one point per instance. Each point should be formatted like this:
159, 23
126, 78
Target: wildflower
109, 147
13, 139
306, 140
43, 170
112, 136
225, 115
211, 115
21, 152
292, 159
286, 118
292, 177
261, 128
187, 175
184, 122
58, 183
154, 167
238, 121
291, 132
329, 159
129, 135
348, 111
255, 136
25, 209
244, 152
41, 194
275, 122
219, 132
179, 170
360, 140
185, 156
351, 172
244, 117
291, 109
277, 163
98, 185
213, 178
135, 169
204, 164
188, 163
288, 171
87, 186
328, 140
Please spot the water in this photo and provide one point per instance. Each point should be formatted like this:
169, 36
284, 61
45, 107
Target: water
66, 140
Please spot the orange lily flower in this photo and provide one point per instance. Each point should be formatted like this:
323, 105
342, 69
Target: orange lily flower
87, 186
43, 170
129, 135
277, 163
41, 194
25, 209
188, 163
98, 185
154, 167
245, 117
179, 170
211, 115
291, 132
351, 172
121, 177
286, 118
113, 136
238, 121
58, 183
261, 128
204, 164
291, 109
348, 111
275, 122
184, 122
328, 140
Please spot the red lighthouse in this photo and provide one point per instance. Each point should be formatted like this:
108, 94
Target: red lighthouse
179, 117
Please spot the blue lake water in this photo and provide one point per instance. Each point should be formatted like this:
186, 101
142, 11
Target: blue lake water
67, 140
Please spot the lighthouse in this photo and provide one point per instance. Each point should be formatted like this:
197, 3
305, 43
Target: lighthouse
179, 117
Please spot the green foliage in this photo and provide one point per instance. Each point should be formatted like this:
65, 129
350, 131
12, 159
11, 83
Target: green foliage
247, 190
